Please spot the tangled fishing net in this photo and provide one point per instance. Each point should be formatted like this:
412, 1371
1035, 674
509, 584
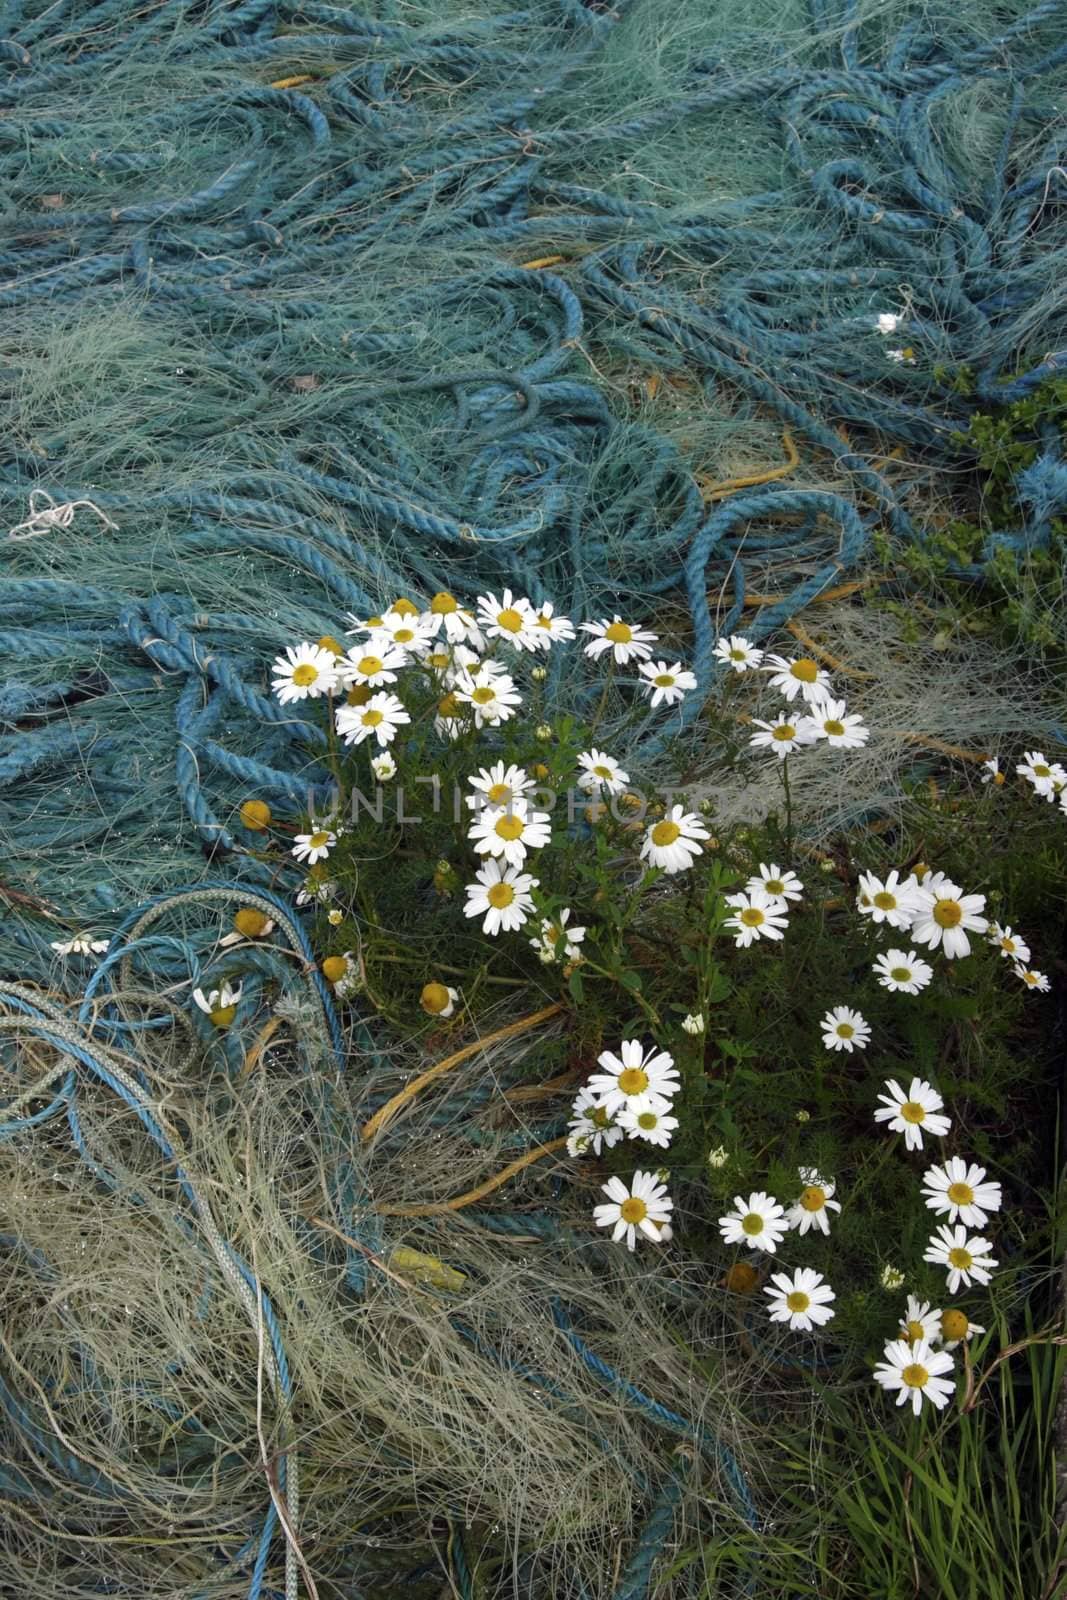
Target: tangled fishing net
304, 307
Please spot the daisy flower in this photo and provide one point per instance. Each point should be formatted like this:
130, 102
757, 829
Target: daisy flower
1045, 775
892, 1278
913, 1114
828, 721
693, 1023
511, 833
501, 895
758, 1222
403, 629
362, 665
738, 653
670, 684
219, 1004
450, 721
645, 1205
312, 847
920, 1321
944, 916
593, 1122
491, 696
672, 842
956, 1328
816, 1200
80, 945
903, 358
556, 934
548, 629
499, 786
892, 901
784, 735
802, 1300
1032, 979
626, 642
962, 1191
757, 915
888, 321
902, 971
776, 883
303, 673
383, 767
601, 771
843, 1029
1008, 943
510, 618
916, 1371
635, 1079
991, 772
966, 1256
654, 1126
378, 719
801, 676
448, 617
438, 999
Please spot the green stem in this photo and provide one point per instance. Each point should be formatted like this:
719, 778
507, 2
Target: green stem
650, 1011
603, 698
788, 808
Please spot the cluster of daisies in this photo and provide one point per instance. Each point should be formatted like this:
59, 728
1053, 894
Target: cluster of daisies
812, 714
1047, 779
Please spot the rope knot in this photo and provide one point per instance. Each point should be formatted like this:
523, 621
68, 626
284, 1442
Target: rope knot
44, 517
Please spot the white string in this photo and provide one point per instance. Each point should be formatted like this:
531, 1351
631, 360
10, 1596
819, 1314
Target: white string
43, 518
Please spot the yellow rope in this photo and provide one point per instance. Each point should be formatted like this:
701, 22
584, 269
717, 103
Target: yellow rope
468, 1199
542, 261
841, 592
717, 491
387, 1112
251, 1060
292, 83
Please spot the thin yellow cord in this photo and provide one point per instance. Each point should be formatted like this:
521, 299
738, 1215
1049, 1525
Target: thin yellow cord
542, 261
292, 83
444, 1206
387, 1112
717, 491
841, 592
928, 742
821, 654
251, 1060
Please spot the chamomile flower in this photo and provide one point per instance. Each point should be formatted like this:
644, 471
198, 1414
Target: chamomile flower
828, 720
758, 1222
815, 1202
738, 653
955, 1328
965, 1255
800, 675
1011, 947
501, 895
454, 621
801, 1300
511, 833
991, 772
511, 618
779, 885
756, 915
451, 719
644, 1206
548, 629
491, 696
693, 1023
364, 665
921, 1320
892, 1278
944, 916
379, 719
916, 1372
902, 971
913, 1114
656, 1127
499, 786
80, 945
664, 683
383, 767
962, 1192
1045, 776
312, 847
843, 1029
219, 1004
635, 1078
593, 1122
784, 735
601, 771
672, 843
403, 630
438, 999
891, 901
559, 939
903, 358
1032, 979
623, 639
888, 321
303, 673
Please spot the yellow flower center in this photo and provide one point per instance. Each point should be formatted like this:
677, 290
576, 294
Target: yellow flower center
960, 1259
752, 916
222, 1016
633, 1080
813, 1198
438, 659
961, 1194
373, 718
435, 998
834, 727
663, 680
255, 814
328, 642
738, 655
752, 1223
317, 840
915, 1376
844, 1030
647, 1119
741, 1278
633, 1210
498, 794
552, 936
798, 1301
948, 913
250, 922
665, 833
1008, 945
774, 885
805, 669
541, 621
954, 1325
914, 1331
1041, 771
404, 608
1030, 978
370, 666
305, 675
509, 827
912, 1111
403, 635
448, 707
602, 772
500, 895
885, 901
443, 604
900, 974
600, 1117
483, 695
510, 620
784, 732
618, 633
374, 622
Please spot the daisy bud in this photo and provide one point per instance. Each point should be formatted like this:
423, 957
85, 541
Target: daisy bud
437, 1000
253, 924
718, 1157
741, 1278
539, 674
803, 1116
334, 968
920, 870
693, 1023
255, 814
328, 642
359, 694
540, 771
543, 731
449, 707
335, 918
892, 1278
443, 604
404, 607
445, 878
631, 801
706, 807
